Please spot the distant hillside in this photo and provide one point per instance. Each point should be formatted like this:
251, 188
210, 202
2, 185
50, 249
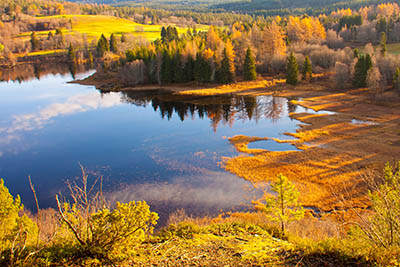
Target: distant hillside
284, 7
257, 7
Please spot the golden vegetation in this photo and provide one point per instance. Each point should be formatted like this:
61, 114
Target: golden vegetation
335, 152
233, 88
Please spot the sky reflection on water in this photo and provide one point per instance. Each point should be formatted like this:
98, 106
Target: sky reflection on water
161, 148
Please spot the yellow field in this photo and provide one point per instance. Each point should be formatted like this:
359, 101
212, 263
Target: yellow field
95, 25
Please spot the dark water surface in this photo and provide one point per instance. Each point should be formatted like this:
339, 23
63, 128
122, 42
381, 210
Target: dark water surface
161, 148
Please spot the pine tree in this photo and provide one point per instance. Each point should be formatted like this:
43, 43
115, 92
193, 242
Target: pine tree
292, 70
60, 38
282, 207
307, 70
188, 69
123, 38
113, 44
50, 36
396, 79
226, 72
383, 44
34, 42
362, 67
102, 46
167, 71
249, 66
178, 68
163, 33
356, 53
71, 53
202, 69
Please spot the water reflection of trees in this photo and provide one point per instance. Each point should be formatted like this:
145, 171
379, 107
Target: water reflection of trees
30, 71
219, 109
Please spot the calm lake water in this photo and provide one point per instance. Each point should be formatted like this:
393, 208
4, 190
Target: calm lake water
161, 148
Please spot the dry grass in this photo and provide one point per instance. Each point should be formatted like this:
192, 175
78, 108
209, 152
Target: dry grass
335, 152
233, 88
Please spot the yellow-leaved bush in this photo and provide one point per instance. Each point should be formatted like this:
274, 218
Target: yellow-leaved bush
17, 232
112, 235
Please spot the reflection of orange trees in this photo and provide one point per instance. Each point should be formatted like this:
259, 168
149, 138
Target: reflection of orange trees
219, 109
26, 72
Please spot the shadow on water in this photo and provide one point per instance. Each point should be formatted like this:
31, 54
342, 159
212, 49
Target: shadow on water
158, 147
30, 71
222, 109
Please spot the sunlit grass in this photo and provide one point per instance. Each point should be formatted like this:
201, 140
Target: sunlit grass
95, 25
233, 88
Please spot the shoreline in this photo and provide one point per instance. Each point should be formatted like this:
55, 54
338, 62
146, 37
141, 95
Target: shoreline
336, 149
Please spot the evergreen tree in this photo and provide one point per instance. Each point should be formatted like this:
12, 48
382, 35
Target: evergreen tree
189, 69
163, 33
178, 68
396, 79
292, 70
383, 44
167, 71
102, 46
123, 38
356, 53
90, 57
282, 207
50, 36
34, 42
307, 70
202, 69
113, 44
249, 66
71, 53
362, 67
226, 72
59, 38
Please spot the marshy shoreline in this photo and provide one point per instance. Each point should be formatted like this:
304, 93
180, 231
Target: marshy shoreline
334, 152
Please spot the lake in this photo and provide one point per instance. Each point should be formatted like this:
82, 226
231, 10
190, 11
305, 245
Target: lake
162, 148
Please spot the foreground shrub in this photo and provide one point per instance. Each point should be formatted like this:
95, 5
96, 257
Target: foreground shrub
101, 233
17, 233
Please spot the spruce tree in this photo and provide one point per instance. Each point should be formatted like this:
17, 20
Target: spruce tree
34, 42
113, 44
178, 68
226, 71
383, 44
71, 53
163, 33
396, 79
188, 69
202, 69
356, 53
292, 70
362, 67
283, 207
123, 38
60, 38
249, 66
307, 70
102, 46
50, 36
167, 71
